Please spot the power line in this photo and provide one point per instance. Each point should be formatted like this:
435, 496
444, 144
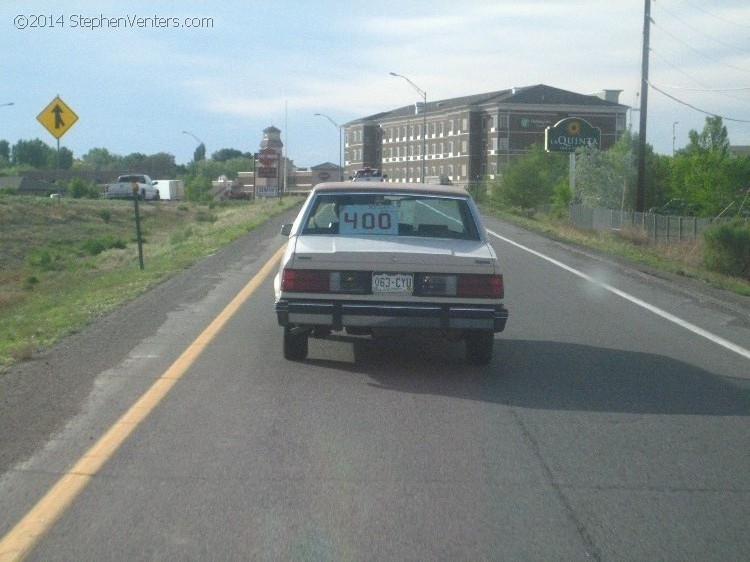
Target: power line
699, 32
717, 90
713, 114
704, 87
700, 9
683, 43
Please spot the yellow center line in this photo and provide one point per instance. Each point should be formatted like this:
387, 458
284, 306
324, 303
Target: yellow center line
19, 541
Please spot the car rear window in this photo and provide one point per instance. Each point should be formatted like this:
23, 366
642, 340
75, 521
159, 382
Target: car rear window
377, 214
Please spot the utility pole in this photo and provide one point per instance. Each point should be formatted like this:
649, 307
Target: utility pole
640, 188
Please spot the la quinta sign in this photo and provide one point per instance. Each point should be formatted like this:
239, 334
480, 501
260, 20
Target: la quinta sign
570, 134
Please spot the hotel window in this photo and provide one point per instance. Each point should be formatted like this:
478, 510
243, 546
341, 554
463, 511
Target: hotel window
503, 122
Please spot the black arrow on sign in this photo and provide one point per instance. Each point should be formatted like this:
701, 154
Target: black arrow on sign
58, 111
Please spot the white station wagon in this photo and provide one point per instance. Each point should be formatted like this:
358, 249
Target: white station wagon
378, 258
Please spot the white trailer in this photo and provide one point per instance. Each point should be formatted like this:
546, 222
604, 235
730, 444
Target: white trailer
171, 189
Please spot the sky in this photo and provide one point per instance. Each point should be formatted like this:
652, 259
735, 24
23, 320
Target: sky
140, 80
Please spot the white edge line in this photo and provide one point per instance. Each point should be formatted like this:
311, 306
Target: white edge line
643, 304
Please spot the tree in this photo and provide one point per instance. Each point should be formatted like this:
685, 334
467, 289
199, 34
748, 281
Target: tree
4, 153
63, 160
701, 178
135, 162
198, 188
99, 159
714, 137
608, 179
705, 174
200, 153
227, 154
240, 164
530, 180
34, 153
160, 165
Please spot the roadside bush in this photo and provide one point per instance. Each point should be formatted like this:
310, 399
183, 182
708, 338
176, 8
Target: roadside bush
45, 259
530, 180
79, 189
728, 248
96, 245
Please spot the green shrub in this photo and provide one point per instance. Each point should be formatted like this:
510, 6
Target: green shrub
79, 188
728, 248
46, 259
205, 216
97, 244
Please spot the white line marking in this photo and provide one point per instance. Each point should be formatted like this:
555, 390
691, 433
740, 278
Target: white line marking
643, 304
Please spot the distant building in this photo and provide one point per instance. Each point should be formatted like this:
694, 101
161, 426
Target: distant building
274, 173
740, 150
472, 138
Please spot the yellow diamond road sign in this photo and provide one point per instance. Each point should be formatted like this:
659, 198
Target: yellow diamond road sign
57, 117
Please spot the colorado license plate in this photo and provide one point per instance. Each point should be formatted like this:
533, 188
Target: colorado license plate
392, 283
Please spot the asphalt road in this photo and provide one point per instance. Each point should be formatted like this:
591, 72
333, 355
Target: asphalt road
612, 424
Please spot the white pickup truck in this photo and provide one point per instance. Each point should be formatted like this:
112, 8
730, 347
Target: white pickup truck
123, 188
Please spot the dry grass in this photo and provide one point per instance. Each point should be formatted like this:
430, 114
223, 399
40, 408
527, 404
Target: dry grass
65, 262
684, 258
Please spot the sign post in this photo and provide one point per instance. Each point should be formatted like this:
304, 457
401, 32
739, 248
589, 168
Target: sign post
138, 224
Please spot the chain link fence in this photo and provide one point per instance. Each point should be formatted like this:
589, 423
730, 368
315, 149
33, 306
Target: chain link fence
659, 228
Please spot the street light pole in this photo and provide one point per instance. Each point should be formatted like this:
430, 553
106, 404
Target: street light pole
673, 135
200, 142
422, 93
341, 169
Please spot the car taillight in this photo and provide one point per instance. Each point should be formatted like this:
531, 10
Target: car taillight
480, 286
324, 281
471, 286
305, 281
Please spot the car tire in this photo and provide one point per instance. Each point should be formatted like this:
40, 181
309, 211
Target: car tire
295, 344
479, 346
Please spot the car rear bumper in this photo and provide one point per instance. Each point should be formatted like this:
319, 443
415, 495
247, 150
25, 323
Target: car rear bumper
340, 314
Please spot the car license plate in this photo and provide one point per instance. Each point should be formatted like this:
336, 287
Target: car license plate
392, 283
